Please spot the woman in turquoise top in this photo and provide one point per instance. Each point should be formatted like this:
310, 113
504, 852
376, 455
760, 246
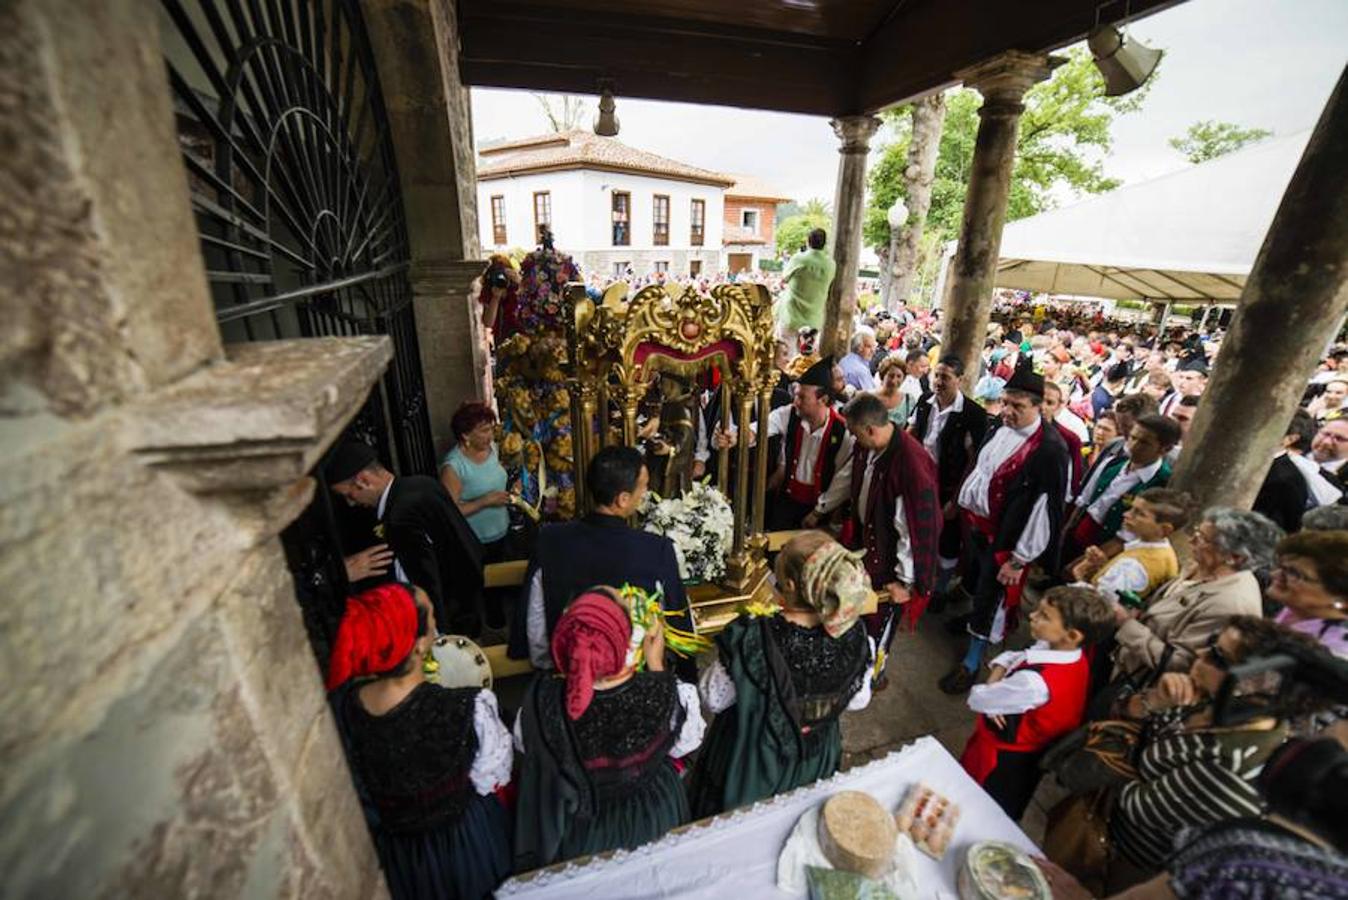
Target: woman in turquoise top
476, 480
900, 405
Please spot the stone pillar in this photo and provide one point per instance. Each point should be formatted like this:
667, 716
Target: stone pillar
849, 201
415, 44
166, 732
1002, 81
1297, 290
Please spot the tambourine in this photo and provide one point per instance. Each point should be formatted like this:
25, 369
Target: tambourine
462, 662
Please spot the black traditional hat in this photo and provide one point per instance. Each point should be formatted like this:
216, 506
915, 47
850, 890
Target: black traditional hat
820, 374
348, 459
1198, 363
1025, 379
1014, 337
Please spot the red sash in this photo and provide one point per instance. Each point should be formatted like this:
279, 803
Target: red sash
1011, 593
801, 492
1001, 483
1088, 532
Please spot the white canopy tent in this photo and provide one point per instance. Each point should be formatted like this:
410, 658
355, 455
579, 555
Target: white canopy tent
1190, 236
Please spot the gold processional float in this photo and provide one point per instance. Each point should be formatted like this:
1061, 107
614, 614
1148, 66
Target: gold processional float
617, 349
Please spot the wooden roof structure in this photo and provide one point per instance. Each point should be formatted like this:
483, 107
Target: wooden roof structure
818, 57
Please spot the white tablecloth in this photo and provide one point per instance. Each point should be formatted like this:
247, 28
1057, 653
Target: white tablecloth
735, 855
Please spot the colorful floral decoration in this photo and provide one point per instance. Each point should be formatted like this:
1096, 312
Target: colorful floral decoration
645, 609
544, 275
701, 525
534, 436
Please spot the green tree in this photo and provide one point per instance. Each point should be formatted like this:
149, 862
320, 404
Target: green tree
1208, 139
1064, 138
817, 207
793, 230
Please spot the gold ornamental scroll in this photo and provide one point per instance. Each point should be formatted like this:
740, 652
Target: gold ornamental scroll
615, 351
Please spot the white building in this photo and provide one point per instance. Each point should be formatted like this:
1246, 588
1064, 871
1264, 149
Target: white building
609, 205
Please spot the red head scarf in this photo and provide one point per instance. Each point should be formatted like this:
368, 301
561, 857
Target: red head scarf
589, 642
378, 630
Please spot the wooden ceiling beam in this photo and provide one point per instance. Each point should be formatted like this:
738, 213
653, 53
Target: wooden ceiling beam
916, 48
652, 58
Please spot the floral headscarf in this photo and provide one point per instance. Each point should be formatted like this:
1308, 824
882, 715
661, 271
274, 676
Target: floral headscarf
834, 584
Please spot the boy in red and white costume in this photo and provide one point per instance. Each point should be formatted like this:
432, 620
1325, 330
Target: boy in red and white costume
1035, 696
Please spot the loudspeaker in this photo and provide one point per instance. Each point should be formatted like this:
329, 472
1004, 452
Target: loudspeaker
1125, 63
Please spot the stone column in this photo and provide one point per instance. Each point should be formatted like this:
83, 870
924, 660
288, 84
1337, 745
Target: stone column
1002, 81
1297, 290
849, 201
415, 44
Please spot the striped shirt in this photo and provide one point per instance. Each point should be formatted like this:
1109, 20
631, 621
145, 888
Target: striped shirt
1187, 778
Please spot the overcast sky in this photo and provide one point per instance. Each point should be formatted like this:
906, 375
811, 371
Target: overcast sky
1266, 63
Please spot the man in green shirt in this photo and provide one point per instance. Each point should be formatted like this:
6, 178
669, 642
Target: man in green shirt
807, 276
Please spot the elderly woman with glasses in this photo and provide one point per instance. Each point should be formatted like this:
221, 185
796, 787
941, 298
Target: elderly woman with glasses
1229, 546
1311, 582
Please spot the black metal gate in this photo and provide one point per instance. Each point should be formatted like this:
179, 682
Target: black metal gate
286, 141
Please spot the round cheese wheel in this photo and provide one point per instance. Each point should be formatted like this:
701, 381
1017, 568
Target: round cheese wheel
857, 834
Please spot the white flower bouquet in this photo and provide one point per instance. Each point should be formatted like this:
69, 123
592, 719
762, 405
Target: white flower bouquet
701, 526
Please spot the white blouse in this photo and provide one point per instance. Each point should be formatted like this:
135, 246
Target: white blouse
491, 766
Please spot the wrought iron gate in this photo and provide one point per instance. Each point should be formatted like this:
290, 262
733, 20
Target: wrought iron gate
295, 188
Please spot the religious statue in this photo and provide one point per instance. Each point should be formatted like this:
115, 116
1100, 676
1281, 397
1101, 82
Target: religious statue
669, 451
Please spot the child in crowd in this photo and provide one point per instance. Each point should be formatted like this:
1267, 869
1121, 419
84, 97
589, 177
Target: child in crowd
1110, 489
1148, 560
1035, 696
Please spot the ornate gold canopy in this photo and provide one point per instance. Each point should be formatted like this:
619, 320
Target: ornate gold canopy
616, 348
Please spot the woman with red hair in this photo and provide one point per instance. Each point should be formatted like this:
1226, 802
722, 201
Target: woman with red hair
599, 740
426, 760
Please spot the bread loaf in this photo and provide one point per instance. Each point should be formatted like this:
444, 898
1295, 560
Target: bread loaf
857, 835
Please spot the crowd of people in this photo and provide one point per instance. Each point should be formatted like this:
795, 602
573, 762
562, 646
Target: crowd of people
1190, 709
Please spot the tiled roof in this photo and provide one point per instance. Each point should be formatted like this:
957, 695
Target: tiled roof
747, 186
580, 149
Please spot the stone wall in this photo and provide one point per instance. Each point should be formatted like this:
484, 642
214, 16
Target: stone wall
169, 734
164, 732
643, 261
135, 313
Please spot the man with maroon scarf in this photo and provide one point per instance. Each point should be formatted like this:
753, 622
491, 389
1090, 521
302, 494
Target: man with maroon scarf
896, 516
1013, 500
